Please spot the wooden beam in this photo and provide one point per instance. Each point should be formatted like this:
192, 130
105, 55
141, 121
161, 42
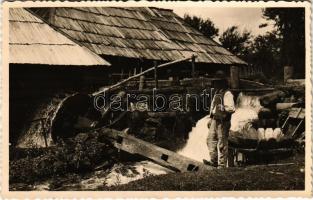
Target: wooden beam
157, 154
141, 82
283, 106
139, 74
269, 98
193, 67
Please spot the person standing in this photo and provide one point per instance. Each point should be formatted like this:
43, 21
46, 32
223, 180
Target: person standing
222, 106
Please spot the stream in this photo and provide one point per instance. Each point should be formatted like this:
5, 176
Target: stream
122, 173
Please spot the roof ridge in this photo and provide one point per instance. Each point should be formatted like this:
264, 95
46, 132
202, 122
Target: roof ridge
82, 10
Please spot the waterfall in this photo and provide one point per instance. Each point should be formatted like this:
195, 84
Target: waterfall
246, 112
196, 147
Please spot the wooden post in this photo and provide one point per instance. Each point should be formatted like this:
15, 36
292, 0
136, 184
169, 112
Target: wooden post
122, 74
135, 71
288, 73
141, 82
155, 74
193, 60
234, 77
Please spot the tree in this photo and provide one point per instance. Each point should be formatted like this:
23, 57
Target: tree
236, 42
206, 27
290, 25
265, 52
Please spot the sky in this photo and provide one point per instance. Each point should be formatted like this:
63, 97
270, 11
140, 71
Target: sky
245, 18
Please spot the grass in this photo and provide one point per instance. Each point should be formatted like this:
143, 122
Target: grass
262, 177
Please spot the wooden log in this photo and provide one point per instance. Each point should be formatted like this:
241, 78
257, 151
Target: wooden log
159, 155
270, 98
296, 82
251, 84
283, 106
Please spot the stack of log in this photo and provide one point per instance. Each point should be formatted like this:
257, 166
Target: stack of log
293, 86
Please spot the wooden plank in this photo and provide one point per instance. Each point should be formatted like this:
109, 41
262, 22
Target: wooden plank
298, 113
159, 155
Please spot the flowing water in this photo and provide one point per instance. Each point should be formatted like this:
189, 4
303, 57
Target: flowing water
246, 112
195, 148
123, 173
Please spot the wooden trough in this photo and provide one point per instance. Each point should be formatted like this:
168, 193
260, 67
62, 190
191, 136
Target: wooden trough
161, 156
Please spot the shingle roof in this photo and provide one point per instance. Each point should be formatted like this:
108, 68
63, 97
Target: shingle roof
32, 41
139, 32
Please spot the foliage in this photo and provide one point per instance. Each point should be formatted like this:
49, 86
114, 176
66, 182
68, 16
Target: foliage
75, 155
283, 46
235, 41
265, 52
206, 27
290, 25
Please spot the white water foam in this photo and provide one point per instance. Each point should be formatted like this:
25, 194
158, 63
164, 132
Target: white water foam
196, 147
246, 112
121, 174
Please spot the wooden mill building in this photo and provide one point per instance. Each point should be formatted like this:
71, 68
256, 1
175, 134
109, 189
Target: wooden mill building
132, 38
42, 58
42, 62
